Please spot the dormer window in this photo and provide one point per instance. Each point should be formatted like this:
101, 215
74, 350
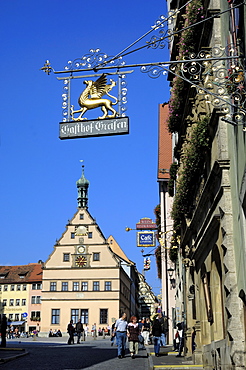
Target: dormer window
3, 275
22, 275
81, 216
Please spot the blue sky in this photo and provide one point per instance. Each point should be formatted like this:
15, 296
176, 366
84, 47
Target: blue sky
39, 171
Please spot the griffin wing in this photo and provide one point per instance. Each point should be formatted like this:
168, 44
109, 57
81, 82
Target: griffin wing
98, 87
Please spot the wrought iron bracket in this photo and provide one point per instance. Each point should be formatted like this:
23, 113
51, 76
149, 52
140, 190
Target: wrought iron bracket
217, 75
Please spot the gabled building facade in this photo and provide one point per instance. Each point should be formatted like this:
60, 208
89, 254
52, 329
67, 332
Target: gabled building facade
20, 295
148, 302
87, 276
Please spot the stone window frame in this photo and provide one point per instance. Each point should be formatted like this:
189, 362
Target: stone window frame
66, 257
96, 286
64, 286
55, 316
53, 286
84, 284
108, 286
96, 256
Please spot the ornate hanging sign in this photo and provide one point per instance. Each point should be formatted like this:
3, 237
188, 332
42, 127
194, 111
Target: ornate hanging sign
101, 105
146, 223
96, 94
92, 97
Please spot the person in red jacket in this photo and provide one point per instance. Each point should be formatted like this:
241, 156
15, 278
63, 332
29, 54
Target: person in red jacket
133, 332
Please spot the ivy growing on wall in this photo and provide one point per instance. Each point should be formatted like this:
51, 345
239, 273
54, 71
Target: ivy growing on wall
176, 104
158, 261
186, 45
193, 13
172, 179
193, 158
157, 212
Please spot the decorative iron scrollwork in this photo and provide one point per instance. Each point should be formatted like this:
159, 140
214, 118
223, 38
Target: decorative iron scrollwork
164, 34
95, 58
155, 71
218, 76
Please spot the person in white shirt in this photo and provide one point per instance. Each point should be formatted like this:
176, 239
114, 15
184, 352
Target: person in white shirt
86, 330
120, 330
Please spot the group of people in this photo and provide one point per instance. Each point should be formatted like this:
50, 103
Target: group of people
136, 332
139, 332
104, 331
71, 329
55, 333
79, 329
13, 332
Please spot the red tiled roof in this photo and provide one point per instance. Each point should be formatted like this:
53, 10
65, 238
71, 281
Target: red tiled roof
164, 144
24, 273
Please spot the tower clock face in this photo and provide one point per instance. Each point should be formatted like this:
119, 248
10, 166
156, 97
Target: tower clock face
81, 261
81, 249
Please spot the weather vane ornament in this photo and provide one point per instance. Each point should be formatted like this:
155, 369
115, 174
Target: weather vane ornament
92, 97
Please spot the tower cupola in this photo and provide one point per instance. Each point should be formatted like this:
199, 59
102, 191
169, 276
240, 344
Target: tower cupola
82, 186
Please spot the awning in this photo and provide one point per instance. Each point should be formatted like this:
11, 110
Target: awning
15, 323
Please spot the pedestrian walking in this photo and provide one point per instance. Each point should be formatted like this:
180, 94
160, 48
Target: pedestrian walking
3, 331
79, 330
71, 331
146, 331
156, 332
94, 330
133, 332
86, 330
113, 336
120, 330
176, 341
164, 329
193, 339
180, 327
109, 329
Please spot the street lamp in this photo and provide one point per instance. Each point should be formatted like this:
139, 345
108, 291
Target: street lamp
170, 271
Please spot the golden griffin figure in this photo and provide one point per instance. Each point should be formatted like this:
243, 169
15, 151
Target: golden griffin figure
91, 98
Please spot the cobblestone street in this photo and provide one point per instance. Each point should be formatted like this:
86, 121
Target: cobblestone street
45, 353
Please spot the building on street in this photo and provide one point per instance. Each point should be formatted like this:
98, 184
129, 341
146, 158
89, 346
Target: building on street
20, 295
87, 276
207, 120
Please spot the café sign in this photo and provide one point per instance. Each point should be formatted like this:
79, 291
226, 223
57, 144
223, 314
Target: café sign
146, 239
